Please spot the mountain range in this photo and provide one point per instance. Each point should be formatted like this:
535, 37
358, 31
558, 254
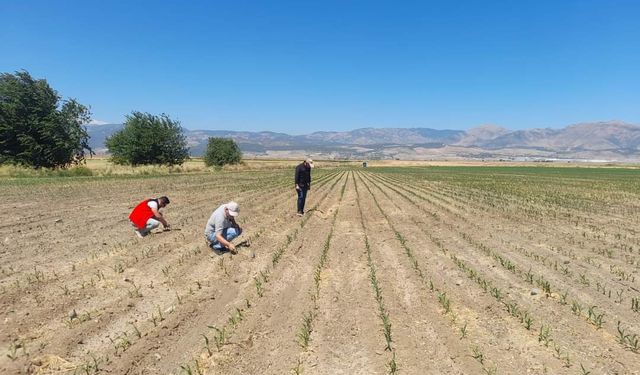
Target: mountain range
602, 141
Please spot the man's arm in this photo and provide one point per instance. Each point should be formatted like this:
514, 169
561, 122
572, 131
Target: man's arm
224, 242
158, 216
297, 178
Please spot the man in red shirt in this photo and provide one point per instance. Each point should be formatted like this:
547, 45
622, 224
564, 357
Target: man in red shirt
147, 216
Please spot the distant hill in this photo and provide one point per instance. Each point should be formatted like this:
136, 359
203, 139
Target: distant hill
611, 141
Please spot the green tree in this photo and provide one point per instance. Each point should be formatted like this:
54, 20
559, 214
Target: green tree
148, 139
221, 151
35, 129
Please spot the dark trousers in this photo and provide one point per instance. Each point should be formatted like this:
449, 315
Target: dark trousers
302, 197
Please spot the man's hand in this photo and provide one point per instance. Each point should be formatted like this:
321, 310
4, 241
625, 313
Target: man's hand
232, 248
297, 187
167, 226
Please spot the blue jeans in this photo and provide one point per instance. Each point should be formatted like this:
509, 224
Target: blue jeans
228, 234
151, 224
302, 197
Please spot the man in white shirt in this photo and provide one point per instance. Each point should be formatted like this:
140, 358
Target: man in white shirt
222, 228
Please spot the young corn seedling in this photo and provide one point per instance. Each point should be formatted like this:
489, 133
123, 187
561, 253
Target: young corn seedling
529, 276
65, 289
490, 370
220, 338
445, 302
576, 308
118, 268
545, 335
595, 318
304, 336
463, 331
259, 288
136, 331
477, 355
527, 320
134, 291
187, 369
619, 296
633, 343
165, 271
298, 369
265, 276
206, 344
512, 308
563, 298
584, 280
496, 293
386, 322
13, 350
393, 366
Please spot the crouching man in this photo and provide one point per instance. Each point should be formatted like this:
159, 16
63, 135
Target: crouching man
222, 228
146, 216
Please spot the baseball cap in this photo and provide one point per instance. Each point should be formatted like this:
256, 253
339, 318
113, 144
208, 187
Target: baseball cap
234, 208
310, 162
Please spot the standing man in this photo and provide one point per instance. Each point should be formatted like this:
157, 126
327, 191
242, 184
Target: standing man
303, 183
147, 216
222, 227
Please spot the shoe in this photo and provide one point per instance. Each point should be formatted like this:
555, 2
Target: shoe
220, 251
138, 233
300, 214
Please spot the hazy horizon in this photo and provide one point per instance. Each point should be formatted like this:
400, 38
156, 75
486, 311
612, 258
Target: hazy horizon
379, 127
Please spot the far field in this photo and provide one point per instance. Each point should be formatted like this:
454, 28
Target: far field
408, 270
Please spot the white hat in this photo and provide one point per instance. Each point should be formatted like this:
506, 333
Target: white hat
310, 162
234, 208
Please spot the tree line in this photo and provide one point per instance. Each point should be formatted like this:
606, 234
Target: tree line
38, 129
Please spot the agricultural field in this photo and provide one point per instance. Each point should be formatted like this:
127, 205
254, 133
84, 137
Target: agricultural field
408, 270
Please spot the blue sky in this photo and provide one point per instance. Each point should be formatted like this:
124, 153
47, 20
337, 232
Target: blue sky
297, 66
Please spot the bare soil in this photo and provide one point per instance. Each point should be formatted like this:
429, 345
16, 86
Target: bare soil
386, 272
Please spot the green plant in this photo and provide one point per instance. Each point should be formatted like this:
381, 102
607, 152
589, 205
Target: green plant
148, 139
576, 308
221, 151
206, 344
36, 129
259, 288
463, 331
393, 366
444, 301
220, 338
304, 336
544, 335
478, 355
298, 369
134, 291
595, 318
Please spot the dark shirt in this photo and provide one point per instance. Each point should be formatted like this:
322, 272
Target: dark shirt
303, 176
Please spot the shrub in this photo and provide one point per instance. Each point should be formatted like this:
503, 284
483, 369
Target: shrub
221, 151
148, 139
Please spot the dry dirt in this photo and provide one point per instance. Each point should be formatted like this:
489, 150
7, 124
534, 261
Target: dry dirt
387, 272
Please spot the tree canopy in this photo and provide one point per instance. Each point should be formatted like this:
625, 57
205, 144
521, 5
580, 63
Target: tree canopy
148, 139
36, 129
221, 151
